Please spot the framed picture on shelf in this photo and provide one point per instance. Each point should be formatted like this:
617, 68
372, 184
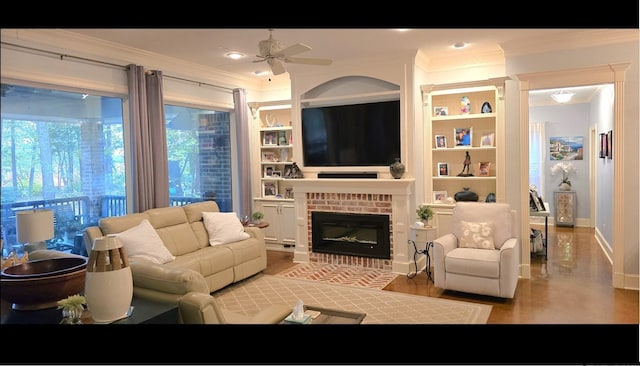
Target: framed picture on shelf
463, 136
610, 144
276, 174
443, 169
269, 189
441, 141
484, 168
487, 139
268, 171
439, 196
270, 138
288, 171
440, 111
269, 156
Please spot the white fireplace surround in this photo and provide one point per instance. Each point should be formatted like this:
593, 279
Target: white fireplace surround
401, 192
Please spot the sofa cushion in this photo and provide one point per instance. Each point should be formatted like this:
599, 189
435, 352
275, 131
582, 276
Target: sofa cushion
223, 227
143, 242
476, 235
174, 230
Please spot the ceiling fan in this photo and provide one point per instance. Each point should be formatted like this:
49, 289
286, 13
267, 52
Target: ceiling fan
274, 52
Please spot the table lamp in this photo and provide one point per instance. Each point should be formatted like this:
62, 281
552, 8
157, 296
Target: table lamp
34, 227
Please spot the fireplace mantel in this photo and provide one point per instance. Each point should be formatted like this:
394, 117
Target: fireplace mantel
377, 186
399, 192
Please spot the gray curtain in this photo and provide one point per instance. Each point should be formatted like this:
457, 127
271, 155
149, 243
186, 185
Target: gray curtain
150, 166
242, 136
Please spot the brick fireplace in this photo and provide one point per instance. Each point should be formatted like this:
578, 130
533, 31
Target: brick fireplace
363, 196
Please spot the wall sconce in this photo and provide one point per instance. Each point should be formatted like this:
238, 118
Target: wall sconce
562, 96
34, 227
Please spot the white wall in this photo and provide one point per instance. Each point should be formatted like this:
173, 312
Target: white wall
566, 121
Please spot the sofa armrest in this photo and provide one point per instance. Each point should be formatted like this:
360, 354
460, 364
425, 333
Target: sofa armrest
197, 308
166, 279
254, 232
50, 253
89, 234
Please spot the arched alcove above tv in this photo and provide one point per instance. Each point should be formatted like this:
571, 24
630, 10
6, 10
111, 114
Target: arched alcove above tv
350, 90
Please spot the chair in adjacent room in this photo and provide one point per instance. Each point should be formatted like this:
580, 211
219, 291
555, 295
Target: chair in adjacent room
199, 308
481, 255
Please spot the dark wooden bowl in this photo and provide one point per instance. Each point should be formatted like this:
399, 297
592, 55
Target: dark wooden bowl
40, 284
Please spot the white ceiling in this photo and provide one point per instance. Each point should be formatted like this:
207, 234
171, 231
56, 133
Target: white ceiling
207, 47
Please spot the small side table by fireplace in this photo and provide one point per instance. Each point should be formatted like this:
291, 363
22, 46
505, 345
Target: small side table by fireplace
421, 235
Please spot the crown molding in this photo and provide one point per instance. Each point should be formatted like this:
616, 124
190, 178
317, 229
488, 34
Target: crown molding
566, 41
78, 45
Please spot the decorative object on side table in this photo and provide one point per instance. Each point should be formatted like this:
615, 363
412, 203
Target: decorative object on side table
425, 213
72, 309
566, 169
109, 283
39, 284
397, 169
257, 217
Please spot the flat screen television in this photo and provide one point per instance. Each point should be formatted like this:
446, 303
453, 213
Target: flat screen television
366, 134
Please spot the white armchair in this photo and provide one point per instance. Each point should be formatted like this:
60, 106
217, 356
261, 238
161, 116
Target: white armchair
481, 256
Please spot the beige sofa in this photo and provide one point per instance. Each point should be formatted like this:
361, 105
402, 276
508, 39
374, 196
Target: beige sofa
198, 266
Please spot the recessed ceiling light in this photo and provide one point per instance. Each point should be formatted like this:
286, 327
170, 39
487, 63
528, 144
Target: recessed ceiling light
459, 45
234, 55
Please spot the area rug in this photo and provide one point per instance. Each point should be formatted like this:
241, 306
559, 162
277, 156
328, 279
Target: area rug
340, 274
381, 307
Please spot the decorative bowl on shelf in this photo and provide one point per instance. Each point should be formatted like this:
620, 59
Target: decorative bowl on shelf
39, 284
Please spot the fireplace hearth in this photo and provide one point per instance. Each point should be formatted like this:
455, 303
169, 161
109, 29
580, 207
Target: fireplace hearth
363, 235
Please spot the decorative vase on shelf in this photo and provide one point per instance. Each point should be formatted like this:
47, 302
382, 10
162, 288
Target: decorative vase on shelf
397, 169
466, 195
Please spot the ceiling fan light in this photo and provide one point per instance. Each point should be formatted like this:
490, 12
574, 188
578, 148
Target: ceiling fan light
562, 96
234, 55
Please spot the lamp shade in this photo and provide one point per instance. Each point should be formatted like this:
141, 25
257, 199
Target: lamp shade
34, 225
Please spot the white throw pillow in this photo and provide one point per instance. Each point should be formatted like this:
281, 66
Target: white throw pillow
143, 242
476, 235
223, 227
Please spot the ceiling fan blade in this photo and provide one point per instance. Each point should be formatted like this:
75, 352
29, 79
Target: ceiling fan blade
292, 50
309, 61
276, 66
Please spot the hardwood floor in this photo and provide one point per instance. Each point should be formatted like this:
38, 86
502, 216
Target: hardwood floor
573, 286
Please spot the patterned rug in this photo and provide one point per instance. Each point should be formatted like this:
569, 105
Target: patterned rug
343, 275
382, 307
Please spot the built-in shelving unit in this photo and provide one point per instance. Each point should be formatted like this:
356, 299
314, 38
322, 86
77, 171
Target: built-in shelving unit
463, 118
273, 193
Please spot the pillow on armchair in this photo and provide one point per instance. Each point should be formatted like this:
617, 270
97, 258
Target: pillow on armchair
476, 235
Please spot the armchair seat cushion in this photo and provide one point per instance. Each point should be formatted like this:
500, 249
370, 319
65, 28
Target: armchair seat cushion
473, 262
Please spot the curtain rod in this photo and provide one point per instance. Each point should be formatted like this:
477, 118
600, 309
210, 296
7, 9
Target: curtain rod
124, 67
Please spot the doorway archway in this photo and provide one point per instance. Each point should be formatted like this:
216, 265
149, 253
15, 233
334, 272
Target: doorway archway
611, 73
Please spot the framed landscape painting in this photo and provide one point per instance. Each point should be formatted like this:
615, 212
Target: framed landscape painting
566, 148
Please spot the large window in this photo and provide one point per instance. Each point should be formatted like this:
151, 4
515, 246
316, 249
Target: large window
63, 151
199, 154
